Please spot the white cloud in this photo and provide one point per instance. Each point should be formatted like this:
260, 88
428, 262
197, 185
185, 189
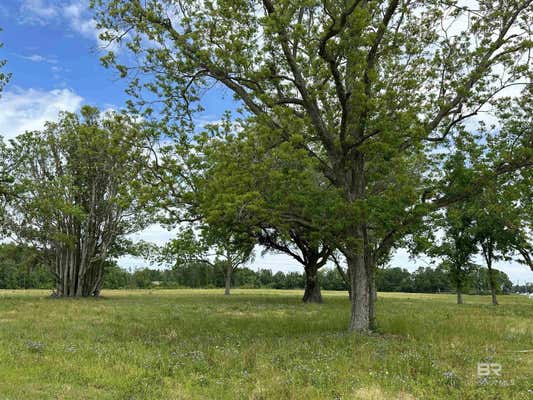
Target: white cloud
75, 14
133, 263
37, 11
155, 234
28, 109
274, 261
81, 21
38, 58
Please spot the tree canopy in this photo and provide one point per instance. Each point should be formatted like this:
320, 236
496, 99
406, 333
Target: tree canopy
74, 193
372, 88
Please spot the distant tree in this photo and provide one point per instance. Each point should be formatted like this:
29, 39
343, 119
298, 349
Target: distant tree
278, 281
76, 193
264, 277
192, 274
142, 278
115, 277
331, 279
23, 267
485, 282
457, 243
206, 246
295, 280
525, 288
431, 280
394, 280
245, 277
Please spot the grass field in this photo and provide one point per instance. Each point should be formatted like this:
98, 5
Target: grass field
259, 344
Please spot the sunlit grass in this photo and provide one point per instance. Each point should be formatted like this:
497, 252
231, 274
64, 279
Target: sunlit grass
260, 344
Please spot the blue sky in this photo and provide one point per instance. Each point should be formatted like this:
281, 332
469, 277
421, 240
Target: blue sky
53, 45
53, 50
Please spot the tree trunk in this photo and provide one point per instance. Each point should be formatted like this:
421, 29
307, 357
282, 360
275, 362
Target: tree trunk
459, 296
492, 284
487, 253
312, 292
361, 296
229, 271
373, 296
345, 276
72, 279
370, 264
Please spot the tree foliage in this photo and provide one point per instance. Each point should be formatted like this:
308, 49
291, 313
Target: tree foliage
22, 267
4, 76
75, 193
274, 194
372, 87
210, 246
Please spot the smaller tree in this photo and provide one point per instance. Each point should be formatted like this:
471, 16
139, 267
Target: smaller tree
312, 255
208, 246
457, 247
272, 193
494, 238
500, 212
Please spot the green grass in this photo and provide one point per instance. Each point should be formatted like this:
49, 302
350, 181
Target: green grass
259, 344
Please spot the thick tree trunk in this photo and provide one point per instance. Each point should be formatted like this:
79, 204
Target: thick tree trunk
492, 284
487, 254
229, 271
459, 296
370, 263
73, 280
361, 296
493, 294
312, 292
373, 296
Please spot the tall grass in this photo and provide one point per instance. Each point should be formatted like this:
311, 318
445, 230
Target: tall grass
260, 344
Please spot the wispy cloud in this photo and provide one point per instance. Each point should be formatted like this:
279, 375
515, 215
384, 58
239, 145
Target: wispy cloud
74, 14
38, 58
38, 11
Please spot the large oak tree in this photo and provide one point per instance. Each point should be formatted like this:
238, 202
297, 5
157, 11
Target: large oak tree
374, 86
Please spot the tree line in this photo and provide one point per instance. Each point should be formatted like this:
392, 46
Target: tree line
20, 269
422, 280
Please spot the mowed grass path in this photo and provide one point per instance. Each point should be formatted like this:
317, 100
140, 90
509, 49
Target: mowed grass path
260, 344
